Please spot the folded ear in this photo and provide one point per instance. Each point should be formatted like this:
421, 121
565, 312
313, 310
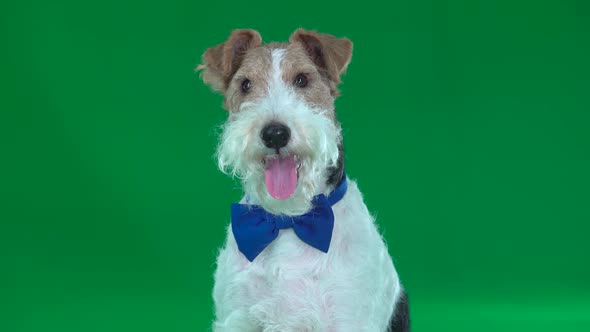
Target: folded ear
329, 53
220, 62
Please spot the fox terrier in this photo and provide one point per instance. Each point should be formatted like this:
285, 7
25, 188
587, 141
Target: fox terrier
302, 250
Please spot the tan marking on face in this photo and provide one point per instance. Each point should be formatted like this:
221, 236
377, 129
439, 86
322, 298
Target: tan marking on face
317, 93
221, 61
322, 57
256, 67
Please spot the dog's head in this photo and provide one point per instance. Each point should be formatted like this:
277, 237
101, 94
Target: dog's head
281, 137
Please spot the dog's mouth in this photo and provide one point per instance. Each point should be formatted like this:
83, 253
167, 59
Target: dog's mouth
281, 174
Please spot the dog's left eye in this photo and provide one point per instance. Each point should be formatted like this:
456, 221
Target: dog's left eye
300, 80
246, 85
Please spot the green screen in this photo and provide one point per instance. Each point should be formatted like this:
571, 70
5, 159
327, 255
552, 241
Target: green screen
466, 125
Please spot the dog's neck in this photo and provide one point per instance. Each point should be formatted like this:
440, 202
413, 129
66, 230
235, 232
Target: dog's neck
336, 173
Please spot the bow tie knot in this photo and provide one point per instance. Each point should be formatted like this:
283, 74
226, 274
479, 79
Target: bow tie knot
283, 222
254, 228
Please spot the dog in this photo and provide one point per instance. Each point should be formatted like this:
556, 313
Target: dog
302, 250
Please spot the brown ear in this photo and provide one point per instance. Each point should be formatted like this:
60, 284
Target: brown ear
328, 52
220, 62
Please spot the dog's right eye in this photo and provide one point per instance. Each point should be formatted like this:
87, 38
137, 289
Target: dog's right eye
300, 80
246, 85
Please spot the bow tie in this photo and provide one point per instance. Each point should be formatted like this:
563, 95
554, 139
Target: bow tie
254, 228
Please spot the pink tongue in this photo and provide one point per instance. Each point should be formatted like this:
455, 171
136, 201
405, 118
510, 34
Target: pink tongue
280, 177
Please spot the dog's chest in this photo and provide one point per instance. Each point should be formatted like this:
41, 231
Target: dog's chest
289, 264
354, 280
291, 276
289, 256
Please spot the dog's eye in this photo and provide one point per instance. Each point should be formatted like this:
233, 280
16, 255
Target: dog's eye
300, 80
246, 85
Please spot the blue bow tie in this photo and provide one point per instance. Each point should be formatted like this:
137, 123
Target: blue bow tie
254, 228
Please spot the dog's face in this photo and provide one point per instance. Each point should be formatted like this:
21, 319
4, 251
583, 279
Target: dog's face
281, 137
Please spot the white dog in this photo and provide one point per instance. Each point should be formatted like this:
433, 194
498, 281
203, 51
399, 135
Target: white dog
302, 252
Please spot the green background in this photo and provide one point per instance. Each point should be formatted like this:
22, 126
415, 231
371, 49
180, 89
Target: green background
466, 125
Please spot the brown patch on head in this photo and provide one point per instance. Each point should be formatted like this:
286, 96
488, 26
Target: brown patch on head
319, 88
322, 58
256, 67
330, 54
220, 62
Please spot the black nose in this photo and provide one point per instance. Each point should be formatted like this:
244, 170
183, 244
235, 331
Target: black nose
275, 135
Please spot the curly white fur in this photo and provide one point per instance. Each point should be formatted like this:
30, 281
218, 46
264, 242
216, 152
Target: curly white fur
314, 139
290, 286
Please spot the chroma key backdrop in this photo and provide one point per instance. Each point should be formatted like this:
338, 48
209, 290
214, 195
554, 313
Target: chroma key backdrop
466, 124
